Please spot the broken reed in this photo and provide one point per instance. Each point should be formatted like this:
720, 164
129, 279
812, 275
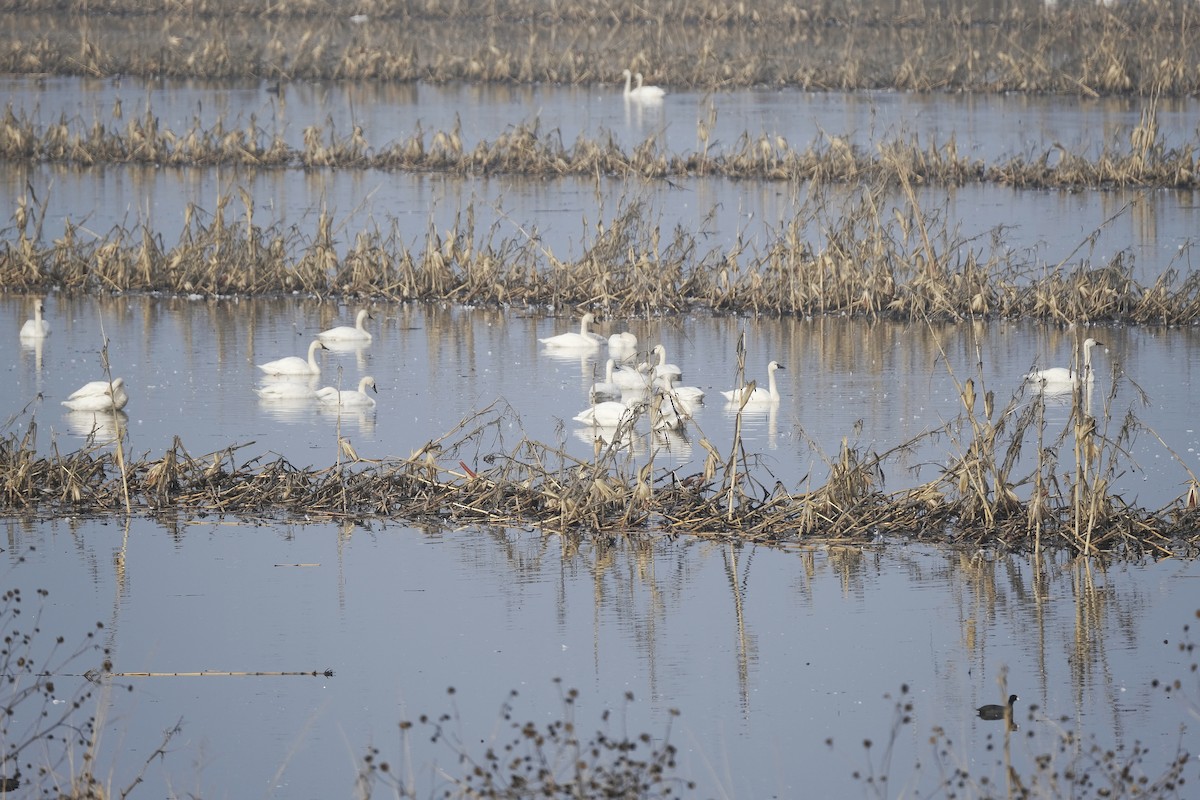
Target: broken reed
908, 266
973, 502
525, 150
1079, 48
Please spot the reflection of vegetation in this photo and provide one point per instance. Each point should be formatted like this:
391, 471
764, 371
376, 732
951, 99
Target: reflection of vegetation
1079, 48
50, 741
1072, 768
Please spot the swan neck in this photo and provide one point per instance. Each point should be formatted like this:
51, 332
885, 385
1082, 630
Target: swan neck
771, 387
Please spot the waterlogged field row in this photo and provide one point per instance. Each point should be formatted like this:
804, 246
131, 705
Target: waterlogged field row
908, 265
1080, 48
526, 150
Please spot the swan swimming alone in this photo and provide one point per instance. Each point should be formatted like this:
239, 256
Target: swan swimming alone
759, 395
640, 93
346, 333
331, 396
98, 396
583, 339
1063, 378
295, 365
36, 328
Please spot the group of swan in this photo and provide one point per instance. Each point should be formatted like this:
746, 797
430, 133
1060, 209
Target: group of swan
640, 93
627, 389
286, 370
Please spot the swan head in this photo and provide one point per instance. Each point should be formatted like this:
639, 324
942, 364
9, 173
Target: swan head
1089, 343
367, 381
364, 314
626, 74
588, 318
774, 365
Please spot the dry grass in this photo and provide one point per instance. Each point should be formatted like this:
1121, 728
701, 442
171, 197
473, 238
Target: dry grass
1078, 48
472, 475
906, 266
526, 150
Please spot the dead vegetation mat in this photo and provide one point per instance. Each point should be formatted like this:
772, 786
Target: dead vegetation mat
454, 481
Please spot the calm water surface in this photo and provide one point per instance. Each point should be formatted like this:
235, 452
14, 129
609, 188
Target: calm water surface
769, 654
766, 652
1155, 228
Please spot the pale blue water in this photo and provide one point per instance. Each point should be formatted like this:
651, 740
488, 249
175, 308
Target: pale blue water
766, 653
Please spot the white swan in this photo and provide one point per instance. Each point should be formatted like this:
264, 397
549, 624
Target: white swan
98, 396
36, 328
345, 333
623, 342
295, 365
640, 93
633, 379
331, 396
583, 339
759, 395
685, 398
1062, 378
608, 414
606, 387
667, 413
662, 368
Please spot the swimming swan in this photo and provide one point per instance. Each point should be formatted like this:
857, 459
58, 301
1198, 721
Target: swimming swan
685, 398
295, 365
624, 344
662, 368
640, 93
759, 395
583, 339
1061, 378
345, 333
608, 414
98, 396
633, 379
36, 328
329, 395
606, 388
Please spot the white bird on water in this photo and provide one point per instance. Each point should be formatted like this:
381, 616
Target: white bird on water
640, 93
345, 333
583, 339
662, 369
98, 396
36, 328
295, 365
1062, 378
330, 395
608, 414
759, 395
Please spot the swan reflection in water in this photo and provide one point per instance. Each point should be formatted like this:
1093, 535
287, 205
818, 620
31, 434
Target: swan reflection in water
101, 427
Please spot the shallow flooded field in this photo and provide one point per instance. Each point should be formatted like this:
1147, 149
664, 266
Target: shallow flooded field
781, 662
270, 655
